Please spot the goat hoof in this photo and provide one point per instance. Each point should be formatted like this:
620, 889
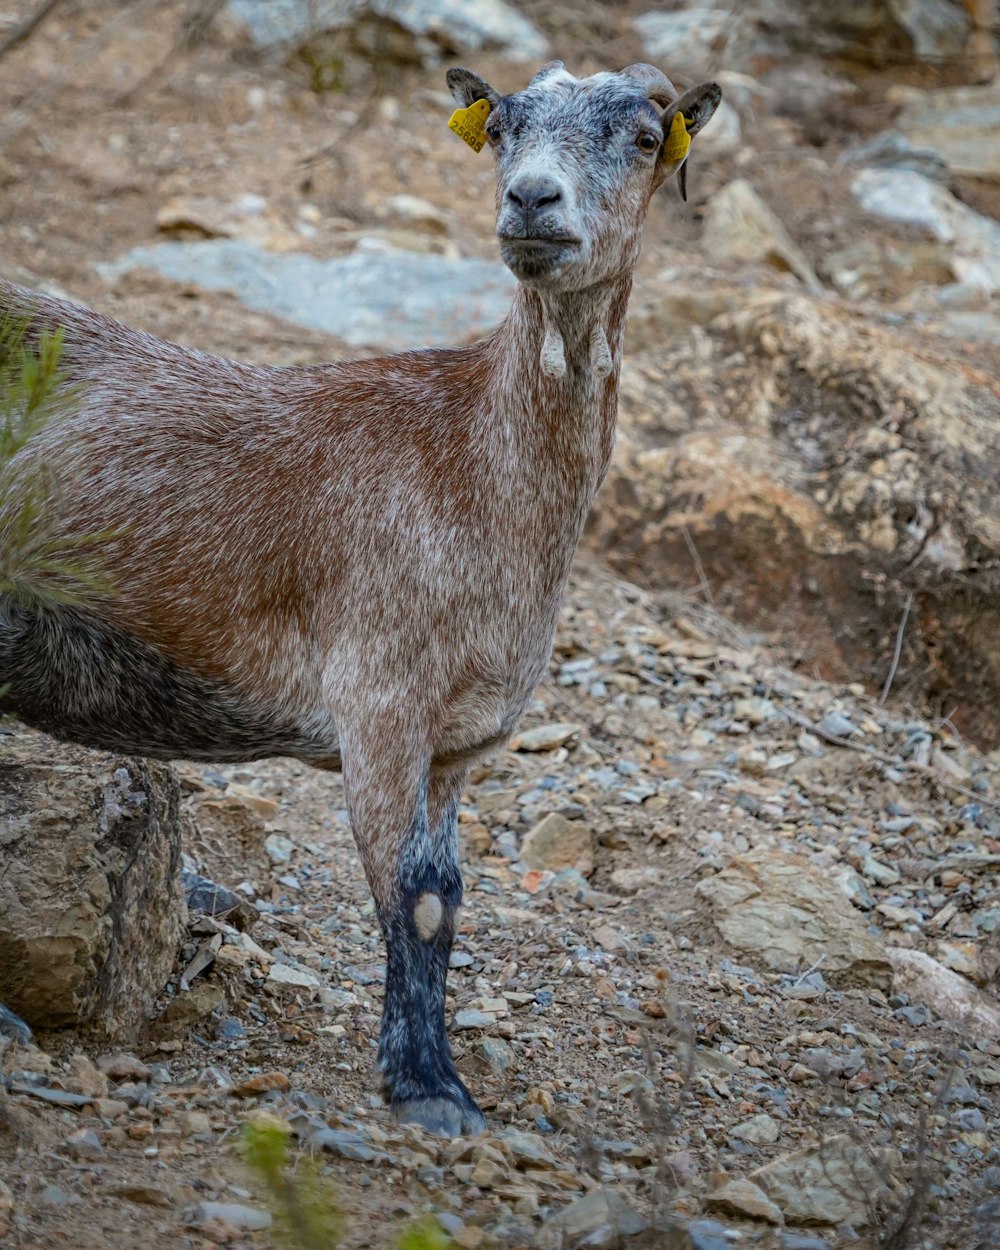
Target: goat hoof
441, 1116
13, 1026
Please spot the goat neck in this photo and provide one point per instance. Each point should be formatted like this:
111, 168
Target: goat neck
554, 375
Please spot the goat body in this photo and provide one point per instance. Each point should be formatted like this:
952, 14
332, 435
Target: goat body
293, 551
359, 564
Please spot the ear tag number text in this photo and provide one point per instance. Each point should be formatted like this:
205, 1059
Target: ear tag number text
470, 124
678, 142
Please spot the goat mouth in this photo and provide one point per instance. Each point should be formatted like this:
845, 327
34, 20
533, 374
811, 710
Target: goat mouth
539, 257
529, 242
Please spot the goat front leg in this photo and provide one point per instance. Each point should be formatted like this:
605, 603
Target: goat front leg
405, 824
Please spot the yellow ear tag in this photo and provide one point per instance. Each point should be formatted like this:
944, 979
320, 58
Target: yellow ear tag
470, 124
678, 142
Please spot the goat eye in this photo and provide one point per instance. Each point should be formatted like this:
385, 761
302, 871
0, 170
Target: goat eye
493, 134
647, 141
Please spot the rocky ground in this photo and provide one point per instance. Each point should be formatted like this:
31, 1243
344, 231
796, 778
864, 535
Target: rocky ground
728, 969
719, 960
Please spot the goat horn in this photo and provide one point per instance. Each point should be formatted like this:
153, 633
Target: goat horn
550, 67
657, 85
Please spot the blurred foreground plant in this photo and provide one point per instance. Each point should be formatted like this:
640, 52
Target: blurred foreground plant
425, 1234
303, 1202
33, 392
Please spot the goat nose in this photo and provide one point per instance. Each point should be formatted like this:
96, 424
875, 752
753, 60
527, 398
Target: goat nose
530, 194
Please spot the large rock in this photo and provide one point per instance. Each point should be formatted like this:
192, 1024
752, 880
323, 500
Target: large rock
739, 226
742, 1197
693, 38
90, 905
908, 197
822, 467
708, 33
961, 124
989, 960
600, 1220
889, 269
418, 30
391, 300
949, 995
891, 149
781, 910
836, 1182
934, 28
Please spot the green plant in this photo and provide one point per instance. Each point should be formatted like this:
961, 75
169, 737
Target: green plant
303, 1202
35, 565
424, 1234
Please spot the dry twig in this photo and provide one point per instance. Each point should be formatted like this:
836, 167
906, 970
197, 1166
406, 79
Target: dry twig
898, 651
706, 589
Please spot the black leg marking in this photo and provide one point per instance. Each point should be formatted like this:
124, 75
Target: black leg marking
419, 927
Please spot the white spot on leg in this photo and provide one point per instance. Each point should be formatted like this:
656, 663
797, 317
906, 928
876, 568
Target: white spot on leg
427, 916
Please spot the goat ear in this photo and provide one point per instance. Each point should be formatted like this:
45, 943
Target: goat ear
466, 88
696, 106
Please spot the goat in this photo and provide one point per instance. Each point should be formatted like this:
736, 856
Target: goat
359, 564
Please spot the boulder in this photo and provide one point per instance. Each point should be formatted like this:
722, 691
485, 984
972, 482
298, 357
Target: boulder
600, 1220
386, 299
784, 912
910, 198
420, 31
949, 995
742, 1197
960, 124
91, 911
693, 38
989, 963
556, 843
707, 33
739, 226
890, 149
826, 470
889, 269
836, 1182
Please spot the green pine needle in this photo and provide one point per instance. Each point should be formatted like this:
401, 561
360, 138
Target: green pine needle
36, 567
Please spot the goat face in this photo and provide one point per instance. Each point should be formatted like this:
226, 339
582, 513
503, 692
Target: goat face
577, 163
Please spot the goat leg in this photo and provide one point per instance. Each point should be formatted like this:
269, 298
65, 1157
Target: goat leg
417, 885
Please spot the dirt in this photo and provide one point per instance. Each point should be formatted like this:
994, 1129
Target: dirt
107, 113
